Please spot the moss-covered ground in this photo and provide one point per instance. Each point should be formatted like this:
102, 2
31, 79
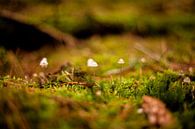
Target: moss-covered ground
157, 45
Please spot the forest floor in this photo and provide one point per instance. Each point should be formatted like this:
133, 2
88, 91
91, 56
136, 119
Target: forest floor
154, 88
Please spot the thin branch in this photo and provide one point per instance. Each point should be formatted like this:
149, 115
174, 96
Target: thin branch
51, 31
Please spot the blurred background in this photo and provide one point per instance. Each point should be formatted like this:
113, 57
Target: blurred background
155, 38
105, 30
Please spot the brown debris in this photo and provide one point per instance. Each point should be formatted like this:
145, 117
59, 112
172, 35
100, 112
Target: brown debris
156, 111
85, 84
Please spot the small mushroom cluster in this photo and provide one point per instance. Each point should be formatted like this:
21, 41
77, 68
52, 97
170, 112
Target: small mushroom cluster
156, 111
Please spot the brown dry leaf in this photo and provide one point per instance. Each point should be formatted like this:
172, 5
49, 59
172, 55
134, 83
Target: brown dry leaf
156, 111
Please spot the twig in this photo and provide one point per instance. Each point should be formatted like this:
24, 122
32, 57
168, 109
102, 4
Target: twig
152, 55
51, 31
156, 57
80, 83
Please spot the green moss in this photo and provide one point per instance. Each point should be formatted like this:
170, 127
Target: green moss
60, 106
